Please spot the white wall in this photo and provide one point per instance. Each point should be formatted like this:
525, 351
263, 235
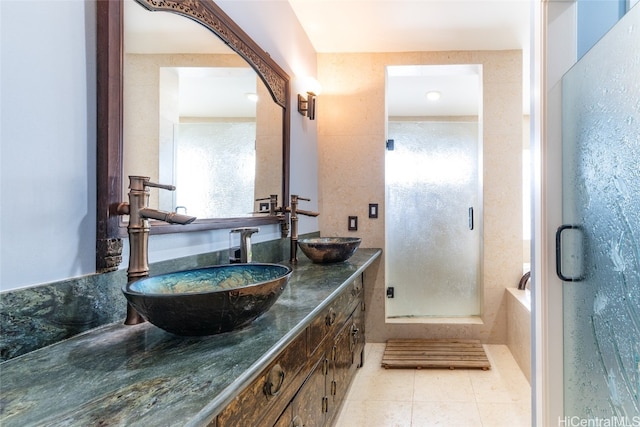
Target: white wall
48, 189
48, 137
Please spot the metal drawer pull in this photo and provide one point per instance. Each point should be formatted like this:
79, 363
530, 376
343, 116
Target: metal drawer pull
331, 317
274, 382
355, 337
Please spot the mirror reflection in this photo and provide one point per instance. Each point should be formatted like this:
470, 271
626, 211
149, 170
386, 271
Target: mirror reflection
197, 116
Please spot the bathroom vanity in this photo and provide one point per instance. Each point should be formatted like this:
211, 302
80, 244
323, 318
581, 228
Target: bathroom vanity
291, 367
306, 382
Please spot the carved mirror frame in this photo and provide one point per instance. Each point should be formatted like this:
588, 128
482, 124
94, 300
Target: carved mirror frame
110, 229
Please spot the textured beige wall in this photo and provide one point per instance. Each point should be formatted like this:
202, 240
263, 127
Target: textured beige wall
351, 150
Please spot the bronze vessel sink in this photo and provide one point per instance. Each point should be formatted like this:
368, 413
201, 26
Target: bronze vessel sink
329, 249
210, 300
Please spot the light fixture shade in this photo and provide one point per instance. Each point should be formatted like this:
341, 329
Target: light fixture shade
308, 84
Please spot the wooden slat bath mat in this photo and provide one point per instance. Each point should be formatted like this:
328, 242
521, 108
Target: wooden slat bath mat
450, 354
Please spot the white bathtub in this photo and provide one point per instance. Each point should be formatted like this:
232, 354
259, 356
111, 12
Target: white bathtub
519, 328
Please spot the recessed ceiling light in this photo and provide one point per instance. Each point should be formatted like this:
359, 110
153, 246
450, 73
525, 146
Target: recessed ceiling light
433, 95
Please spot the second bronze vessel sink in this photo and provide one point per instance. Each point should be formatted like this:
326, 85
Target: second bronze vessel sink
329, 249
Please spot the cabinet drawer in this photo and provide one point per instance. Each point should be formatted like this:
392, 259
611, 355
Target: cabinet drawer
356, 293
330, 321
275, 386
333, 318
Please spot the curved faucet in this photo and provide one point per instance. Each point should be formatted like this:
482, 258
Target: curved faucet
294, 224
138, 230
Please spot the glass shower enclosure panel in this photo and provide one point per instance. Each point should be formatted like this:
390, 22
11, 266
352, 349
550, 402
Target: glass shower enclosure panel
432, 219
598, 254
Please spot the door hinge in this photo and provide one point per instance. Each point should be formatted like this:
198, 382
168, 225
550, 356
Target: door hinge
390, 144
390, 292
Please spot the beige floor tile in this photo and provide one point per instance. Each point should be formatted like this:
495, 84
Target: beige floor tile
375, 414
445, 414
383, 384
504, 364
381, 397
505, 414
375, 348
504, 382
440, 385
492, 389
372, 358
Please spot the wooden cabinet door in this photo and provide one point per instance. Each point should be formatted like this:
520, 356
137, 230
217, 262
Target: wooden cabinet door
286, 419
309, 405
358, 336
339, 372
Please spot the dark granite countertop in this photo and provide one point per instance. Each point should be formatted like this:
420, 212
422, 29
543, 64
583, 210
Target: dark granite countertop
141, 375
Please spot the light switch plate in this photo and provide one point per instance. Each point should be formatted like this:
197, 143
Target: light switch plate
373, 210
353, 223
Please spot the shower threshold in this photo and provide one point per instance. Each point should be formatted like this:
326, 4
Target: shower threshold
459, 320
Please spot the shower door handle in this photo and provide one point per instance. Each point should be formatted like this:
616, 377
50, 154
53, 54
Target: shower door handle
471, 218
559, 272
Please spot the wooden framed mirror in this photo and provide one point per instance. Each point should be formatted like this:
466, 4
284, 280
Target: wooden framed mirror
111, 152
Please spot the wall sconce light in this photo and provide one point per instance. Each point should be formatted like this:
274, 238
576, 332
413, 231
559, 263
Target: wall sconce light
307, 103
307, 106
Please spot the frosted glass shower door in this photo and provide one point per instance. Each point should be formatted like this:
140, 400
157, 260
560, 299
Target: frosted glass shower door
432, 219
600, 242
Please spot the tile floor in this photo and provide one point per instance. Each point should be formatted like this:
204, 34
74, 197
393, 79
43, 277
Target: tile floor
381, 397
